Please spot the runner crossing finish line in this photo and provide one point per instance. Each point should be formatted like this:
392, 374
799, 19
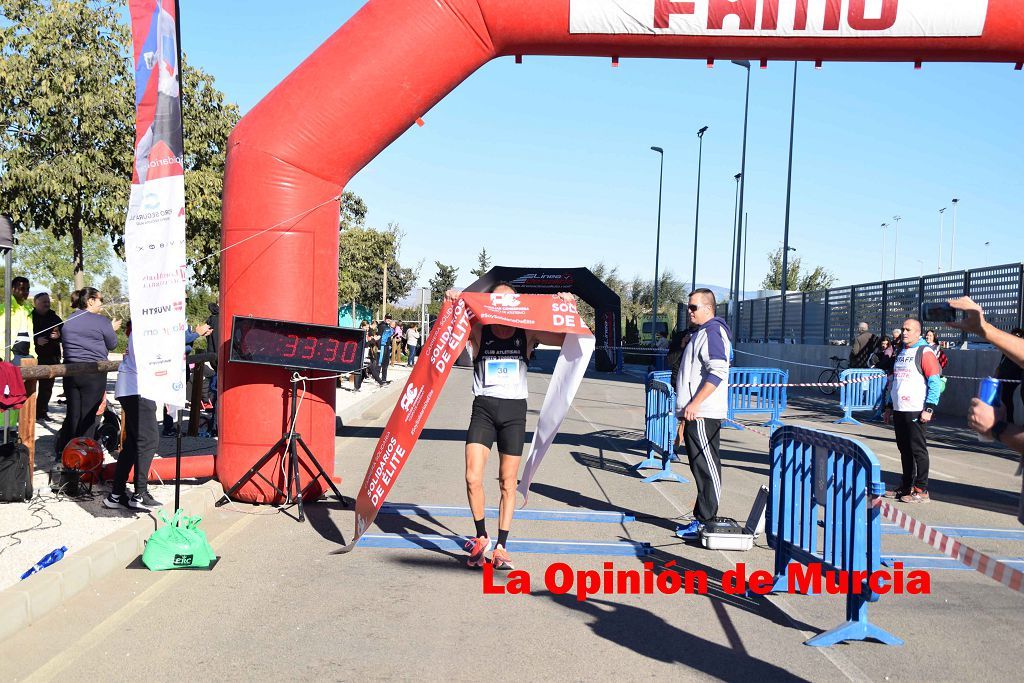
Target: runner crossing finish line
448, 337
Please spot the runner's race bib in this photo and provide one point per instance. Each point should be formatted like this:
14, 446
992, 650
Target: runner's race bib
501, 372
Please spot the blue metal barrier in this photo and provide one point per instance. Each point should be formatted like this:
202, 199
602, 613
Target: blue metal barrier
822, 481
746, 400
864, 395
660, 429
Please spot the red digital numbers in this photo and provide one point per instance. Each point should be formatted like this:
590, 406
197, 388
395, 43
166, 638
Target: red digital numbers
348, 354
332, 352
310, 349
291, 346
325, 349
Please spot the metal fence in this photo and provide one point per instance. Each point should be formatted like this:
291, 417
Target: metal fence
831, 316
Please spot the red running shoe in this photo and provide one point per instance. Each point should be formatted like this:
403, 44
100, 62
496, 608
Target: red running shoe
477, 548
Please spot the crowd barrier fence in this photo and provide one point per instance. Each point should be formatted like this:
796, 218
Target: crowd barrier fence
860, 395
660, 429
821, 510
749, 396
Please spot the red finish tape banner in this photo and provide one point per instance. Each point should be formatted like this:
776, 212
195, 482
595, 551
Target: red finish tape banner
545, 313
782, 18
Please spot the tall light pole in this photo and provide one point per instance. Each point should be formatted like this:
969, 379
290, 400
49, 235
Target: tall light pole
735, 230
884, 226
657, 245
896, 245
746, 241
986, 253
942, 225
789, 193
696, 220
743, 182
920, 262
952, 249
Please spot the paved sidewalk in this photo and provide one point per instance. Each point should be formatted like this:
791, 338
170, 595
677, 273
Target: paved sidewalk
30, 531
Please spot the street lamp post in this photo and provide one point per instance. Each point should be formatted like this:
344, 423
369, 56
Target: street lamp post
657, 245
942, 225
920, 262
696, 220
735, 231
952, 249
789, 193
743, 182
896, 245
884, 226
986, 253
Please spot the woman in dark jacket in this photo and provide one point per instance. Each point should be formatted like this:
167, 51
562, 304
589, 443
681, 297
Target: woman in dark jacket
87, 337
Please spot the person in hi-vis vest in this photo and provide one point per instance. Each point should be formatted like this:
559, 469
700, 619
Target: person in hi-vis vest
910, 404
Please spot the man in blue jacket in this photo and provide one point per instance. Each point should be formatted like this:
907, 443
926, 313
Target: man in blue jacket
702, 402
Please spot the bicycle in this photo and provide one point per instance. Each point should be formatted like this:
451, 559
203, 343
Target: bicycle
831, 376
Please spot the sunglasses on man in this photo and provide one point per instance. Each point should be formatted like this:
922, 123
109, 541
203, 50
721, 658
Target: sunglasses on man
695, 307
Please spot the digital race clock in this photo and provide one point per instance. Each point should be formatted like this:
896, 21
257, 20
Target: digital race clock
296, 345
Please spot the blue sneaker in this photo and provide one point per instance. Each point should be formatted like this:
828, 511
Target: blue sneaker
690, 532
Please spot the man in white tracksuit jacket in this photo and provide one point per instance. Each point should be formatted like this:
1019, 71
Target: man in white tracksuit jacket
702, 402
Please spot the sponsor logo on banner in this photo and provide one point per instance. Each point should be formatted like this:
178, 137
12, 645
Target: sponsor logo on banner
781, 18
411, 393
556, 282
508, 299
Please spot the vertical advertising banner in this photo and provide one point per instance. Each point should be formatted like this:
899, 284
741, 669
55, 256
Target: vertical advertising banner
154, 234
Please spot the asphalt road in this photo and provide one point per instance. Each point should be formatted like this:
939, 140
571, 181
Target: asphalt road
278, 605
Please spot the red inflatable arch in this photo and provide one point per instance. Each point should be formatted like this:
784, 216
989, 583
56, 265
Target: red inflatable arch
291, 156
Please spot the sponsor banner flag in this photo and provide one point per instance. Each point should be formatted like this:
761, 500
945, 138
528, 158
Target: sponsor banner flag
448, 337
782, 18
154, 233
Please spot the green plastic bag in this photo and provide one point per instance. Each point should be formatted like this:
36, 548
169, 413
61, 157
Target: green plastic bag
179, 544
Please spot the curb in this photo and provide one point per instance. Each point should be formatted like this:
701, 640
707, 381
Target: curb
364, 411
31, 599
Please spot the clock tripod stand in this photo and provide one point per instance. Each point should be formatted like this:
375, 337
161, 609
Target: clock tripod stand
288, 445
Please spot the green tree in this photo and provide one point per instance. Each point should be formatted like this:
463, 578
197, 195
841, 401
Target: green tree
111, 288
66, 146
45, 260
443, 280
208, 120
816, 280
365, 255
353, 211
483, 261
819, 278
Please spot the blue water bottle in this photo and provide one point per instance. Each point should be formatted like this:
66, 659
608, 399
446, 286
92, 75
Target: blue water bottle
988, 392
46, 561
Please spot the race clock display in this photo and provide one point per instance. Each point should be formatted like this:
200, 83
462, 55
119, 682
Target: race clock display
296, 345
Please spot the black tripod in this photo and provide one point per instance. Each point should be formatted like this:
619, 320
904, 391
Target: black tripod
288, 445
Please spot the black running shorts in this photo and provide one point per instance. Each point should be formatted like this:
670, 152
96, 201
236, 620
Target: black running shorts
501, 419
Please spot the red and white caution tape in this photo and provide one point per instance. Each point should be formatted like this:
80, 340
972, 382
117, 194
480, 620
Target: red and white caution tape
859, 380
989, 566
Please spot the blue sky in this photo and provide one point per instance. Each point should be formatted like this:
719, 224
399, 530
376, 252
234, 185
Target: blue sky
548, 163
